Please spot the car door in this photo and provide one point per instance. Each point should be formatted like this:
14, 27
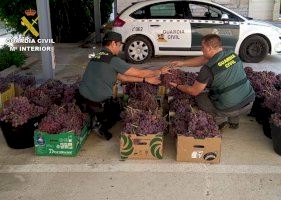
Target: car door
207, 19
168, 27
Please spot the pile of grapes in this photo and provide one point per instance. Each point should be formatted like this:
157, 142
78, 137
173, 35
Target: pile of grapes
276, 119
53, 101
202, 125
52, 92
63, 118
22, 81
267, 88
188, 120
262, 82
142, 114
146, 102
272, 101
4, 85
179, 77
134, 90
19, 80
20, 110
181, 106
194, 123
143, 122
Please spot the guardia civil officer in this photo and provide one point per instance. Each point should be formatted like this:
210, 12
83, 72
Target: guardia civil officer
101, 74
230, 92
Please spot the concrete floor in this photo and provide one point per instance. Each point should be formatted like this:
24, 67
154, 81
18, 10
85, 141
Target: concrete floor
249, 167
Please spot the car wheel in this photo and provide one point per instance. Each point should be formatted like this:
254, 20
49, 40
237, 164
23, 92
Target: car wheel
138, 50
254, 49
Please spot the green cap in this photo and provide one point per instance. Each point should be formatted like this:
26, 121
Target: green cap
113, 36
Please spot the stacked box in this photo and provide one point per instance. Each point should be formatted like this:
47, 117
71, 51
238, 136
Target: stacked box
134, 146
206, 150
63, 144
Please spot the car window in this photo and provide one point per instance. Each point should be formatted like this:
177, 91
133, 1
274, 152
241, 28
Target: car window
207, 12
139, 14
163, 10
198, 11
167, 10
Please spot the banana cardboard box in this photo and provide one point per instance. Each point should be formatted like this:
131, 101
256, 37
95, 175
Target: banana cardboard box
134, 146
206, 150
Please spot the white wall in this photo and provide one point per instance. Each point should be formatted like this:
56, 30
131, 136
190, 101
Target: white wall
261, 9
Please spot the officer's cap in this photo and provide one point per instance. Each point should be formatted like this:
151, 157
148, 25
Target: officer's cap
113, 36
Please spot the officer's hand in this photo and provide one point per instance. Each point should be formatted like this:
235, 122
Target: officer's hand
177, 63
173, 84
153, 80
165, 70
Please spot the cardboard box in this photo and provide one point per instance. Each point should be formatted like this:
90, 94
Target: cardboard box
162, 90
133, 146
6, 96
63, 144
206, 150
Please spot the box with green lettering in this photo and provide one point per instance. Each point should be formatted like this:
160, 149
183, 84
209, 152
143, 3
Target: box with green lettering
63, 144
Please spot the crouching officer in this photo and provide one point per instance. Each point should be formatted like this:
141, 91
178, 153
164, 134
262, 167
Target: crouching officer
102, 72
230, 92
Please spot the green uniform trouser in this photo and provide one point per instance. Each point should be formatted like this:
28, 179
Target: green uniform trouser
106, 112
221, 116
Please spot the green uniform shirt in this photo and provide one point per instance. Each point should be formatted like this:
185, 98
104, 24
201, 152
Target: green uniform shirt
100, 76
222, 71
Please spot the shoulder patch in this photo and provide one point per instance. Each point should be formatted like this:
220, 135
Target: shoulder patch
103, 56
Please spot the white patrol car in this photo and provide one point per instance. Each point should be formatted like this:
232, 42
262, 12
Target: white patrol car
165, 27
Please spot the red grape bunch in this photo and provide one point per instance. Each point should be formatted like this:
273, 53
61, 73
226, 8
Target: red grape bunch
146, 102
67, 117
20, 110
272, 101
202, 125
176, 76
276, 119
134, 90
38, 97
4, 85
179, 126
181, 106
262, 81
142, 122
23, 81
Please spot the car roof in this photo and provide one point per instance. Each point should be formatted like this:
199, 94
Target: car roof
140, 4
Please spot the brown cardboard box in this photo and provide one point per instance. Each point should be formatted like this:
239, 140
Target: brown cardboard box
162, 90
206, 150
133, 146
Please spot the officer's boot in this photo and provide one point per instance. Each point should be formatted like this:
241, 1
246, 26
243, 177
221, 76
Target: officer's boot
104, 133
100, 129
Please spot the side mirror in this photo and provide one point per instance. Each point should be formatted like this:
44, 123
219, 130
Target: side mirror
224, 17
